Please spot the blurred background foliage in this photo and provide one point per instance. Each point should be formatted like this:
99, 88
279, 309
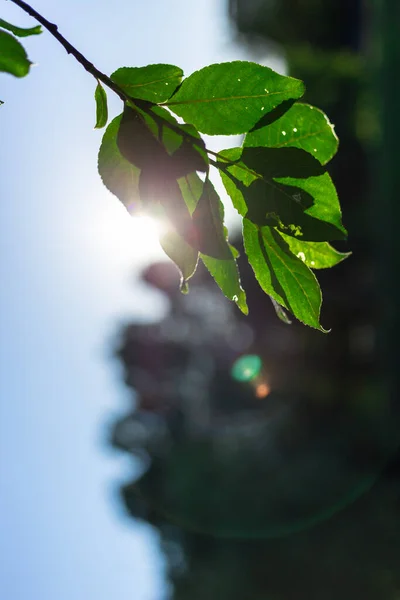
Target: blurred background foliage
269, 451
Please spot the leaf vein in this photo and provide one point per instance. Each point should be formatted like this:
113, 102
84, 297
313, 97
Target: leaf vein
291, 272
298, 138
135, 85
207, 100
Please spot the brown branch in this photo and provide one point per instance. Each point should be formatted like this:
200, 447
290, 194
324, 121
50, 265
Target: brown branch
98, 75
86, 64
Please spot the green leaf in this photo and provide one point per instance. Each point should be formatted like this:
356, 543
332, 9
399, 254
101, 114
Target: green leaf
230, 98
280, 312
100, 97
148, 142
322, 219
282, 275
215, 250
208, 219
192, 188
117, 173
302, 126
154, 83
140, 142
181, 141
305, 206
181, 253
13, 58
20, 31
208, 213
235, 177
226, 275
316, 255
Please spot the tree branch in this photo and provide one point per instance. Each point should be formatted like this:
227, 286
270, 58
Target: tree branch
86, 64
98, 75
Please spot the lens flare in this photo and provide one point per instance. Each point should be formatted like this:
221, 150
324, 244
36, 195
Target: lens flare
262, 390
246, 367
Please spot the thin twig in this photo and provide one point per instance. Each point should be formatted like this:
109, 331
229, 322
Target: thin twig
86, 64
98, 75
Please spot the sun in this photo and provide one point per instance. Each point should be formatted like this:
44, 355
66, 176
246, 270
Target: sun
145, 231
126, 239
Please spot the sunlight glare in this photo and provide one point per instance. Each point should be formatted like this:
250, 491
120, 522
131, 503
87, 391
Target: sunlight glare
127, 240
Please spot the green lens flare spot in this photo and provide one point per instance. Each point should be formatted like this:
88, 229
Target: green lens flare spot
246, 367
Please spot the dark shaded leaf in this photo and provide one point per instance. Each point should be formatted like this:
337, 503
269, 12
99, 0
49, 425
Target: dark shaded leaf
181, 141
144, 141
208, 219
168, 194
289, 209
302, 126
305, 206
117, 173
281, 162
20, 31
140, 142
147, 140
282, 275
13, 58
230, 98
192, 188
215, 250
100, 97
235, 177
319, 197
154, 83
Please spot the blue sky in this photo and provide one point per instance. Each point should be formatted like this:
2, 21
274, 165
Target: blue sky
68, 255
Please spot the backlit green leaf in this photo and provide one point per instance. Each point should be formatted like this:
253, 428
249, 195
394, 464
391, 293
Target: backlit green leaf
192, 188
169, 196
302, 126
181, 253
230, 98
143, 141
13, 58
282, 275
154, 83
208, 218
323, 211
226, 275
20, 31
148, 142
140, 142
305, 206
235, 177
215, 250
100, 97
280, 312
180, 140
316, 255
117, 173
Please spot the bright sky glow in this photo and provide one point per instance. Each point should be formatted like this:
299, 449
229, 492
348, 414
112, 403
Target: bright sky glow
126, 239
68, 257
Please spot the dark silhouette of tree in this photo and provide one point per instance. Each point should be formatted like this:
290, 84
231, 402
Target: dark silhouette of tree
275, 487
249, 481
